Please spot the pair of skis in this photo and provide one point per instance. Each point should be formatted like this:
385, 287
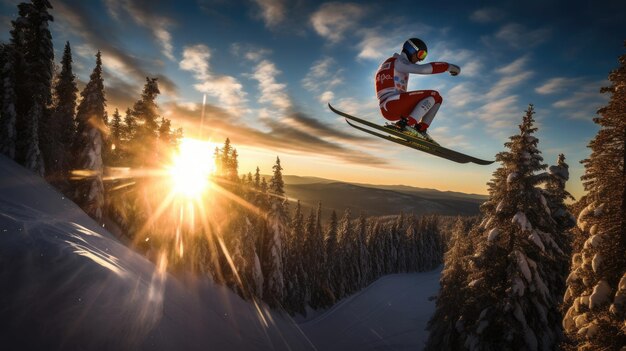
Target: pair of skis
398, 137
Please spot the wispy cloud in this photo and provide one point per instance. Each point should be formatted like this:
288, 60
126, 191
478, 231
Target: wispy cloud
487, 15
226, 89
332, 20
272, 11
140, 11
513, 75
249, 51
583, 101
281, 137
556, 85
74, 17
272, 92
322, 77
517, 36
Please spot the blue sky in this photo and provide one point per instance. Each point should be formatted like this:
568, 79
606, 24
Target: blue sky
268, 68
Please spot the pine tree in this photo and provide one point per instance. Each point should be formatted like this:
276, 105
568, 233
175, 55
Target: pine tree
452, 293
596, 293
276, 220
61, 126
130, 125
89, 191
295, 283
32, 42
332, 259
145, 110
8, 114
510, 303
362, 254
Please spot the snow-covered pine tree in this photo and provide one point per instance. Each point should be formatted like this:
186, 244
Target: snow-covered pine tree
295, 284
596, 293
347, 264
331, 263
8, 114
61, 126
509, 304
362, 254
89, 190
452, 293
146, 110
276, 221
32, 41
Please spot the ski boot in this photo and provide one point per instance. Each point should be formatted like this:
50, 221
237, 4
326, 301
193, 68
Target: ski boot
424, 135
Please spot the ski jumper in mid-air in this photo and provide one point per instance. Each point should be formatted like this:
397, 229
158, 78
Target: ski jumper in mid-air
412, 111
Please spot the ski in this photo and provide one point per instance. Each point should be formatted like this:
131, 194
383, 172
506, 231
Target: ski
409, 141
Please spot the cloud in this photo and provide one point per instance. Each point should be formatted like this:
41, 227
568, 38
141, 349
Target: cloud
272, 11
142, 13
322, 74
281, 137
74, 17
487, 15
556, 85
226, 89
583, 101
332, 20
513, 75
272, 92
249, 52
518, 36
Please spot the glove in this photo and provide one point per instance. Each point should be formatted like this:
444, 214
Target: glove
454, 69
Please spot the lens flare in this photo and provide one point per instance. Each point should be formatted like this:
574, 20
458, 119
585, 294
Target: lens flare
192, 167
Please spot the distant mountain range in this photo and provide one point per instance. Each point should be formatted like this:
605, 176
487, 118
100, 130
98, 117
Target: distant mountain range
377, 200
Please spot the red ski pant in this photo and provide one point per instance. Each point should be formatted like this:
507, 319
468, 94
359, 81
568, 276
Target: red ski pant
403, 104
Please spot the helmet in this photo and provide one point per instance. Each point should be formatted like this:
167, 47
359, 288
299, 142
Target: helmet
415, 45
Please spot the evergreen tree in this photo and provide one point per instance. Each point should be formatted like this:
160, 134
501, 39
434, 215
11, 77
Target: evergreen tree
295, 283
362, 254
276, 220
146, 111
8, 114
596, 293
61, 126
130, 125
452, 293
89, 190
510, 303
332, 259
116, 129
34, 54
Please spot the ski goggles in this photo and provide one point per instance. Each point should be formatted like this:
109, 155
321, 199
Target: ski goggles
421, 54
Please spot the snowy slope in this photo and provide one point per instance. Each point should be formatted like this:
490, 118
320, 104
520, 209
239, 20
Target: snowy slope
66, 283
390, 314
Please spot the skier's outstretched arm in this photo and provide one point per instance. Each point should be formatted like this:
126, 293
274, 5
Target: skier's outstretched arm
428, 68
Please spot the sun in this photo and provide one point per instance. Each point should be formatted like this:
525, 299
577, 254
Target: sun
192, 167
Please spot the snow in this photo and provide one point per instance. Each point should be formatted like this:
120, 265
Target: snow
534, 237
390, 314
493, 234
511, 177
596, 262
558, 171
522, 263
69, 284
518, 286
521, 220
600, 295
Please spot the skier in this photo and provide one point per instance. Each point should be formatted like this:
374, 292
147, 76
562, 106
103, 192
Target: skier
412, 111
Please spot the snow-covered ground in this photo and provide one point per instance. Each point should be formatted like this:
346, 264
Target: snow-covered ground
390, 314
66, 283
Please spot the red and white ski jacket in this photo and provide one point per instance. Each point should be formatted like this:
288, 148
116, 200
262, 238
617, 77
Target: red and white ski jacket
392, 77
